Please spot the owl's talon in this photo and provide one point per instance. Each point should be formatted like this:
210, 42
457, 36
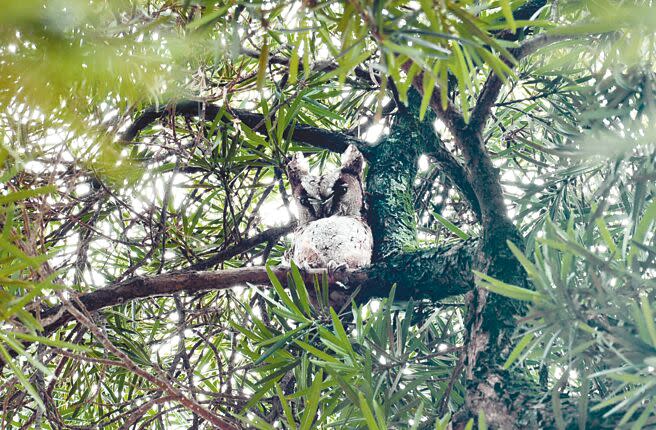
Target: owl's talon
334, 267
305, 267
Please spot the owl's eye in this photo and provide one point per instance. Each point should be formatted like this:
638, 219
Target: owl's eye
340, 188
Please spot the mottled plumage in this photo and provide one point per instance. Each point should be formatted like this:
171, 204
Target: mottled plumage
332, 229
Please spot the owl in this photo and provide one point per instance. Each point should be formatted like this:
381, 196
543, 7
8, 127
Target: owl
332, 232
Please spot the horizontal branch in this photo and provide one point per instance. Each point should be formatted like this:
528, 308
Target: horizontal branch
425, 274
141, 287
314, 136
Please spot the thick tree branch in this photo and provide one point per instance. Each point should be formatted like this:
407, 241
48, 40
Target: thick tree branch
140, 287
481, 174
491, 319
432, 143
432, 273
314, 136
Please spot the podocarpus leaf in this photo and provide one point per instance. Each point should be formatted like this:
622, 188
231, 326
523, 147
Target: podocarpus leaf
367, 413
262, 66
299, 286
286, 299
508, 290
312, 403
516, 352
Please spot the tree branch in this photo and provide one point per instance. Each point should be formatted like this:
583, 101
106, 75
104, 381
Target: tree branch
314, 136
480, 172
492, 87
271, 234
431, 273
446, 162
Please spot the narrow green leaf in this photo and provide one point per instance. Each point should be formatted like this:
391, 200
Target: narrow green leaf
482, 423
443, 423
644, 416
294, 60
649, 318
262, 65
606, 236
284, 296
366, 412
451, 227
208, 19
641, 230
508, 290
285, 407
303, 296
530, 268
418, 416
283, 339
50, 342
312, 403
507, 13
18, 373
316, 352
516, 352
26, 194
341, 333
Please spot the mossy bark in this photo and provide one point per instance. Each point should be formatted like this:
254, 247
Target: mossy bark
429, 273
392, 171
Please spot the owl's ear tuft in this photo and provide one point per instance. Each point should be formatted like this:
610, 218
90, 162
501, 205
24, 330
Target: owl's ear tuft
352, 161
297, 167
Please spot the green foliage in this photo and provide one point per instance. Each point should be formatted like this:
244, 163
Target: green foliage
25, 280
388, 367
81, 209
591, 323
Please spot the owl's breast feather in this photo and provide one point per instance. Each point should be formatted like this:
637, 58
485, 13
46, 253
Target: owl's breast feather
340, 239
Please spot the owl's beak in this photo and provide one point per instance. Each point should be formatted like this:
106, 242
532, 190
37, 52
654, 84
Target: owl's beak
316, 205
328, 201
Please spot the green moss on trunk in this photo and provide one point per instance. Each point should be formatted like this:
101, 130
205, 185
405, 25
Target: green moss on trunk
433, 273
393, 167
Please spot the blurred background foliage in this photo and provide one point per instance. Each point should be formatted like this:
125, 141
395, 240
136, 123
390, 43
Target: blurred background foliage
81, 208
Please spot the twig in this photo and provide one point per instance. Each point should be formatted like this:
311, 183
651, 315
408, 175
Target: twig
161, 382
272, 234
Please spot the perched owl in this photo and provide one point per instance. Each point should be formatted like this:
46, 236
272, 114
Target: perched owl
332, 228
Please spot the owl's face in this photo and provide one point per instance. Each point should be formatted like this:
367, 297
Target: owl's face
338, 192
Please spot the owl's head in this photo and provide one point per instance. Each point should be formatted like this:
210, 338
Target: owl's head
338, 192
